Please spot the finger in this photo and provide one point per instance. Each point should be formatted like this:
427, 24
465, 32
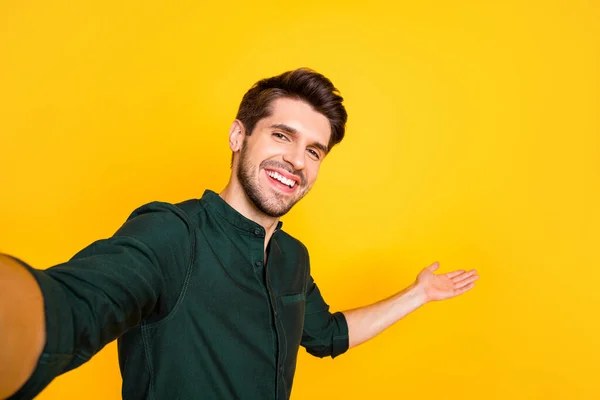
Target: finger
434, 266
454, 273
464, 275
464, 289
465, 282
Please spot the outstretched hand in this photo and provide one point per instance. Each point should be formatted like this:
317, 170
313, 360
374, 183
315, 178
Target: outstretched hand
445, 286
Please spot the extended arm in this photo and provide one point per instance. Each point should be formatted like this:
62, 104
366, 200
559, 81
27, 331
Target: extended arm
366, 322
54, 320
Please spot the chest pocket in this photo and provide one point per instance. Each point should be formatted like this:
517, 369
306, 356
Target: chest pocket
292, 317
292, 298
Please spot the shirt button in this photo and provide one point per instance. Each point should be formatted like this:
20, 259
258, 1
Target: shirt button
257, 232
258, 263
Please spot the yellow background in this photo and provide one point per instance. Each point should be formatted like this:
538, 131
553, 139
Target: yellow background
473, 139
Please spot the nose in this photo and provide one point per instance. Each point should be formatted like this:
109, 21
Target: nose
295, 157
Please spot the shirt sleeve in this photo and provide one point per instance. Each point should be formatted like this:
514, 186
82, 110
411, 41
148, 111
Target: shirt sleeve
109, 287
324, 333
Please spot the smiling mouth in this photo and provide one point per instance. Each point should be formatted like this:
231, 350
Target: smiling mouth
289, 183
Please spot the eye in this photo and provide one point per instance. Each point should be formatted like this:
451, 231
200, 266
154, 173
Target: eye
314, 154
280, 136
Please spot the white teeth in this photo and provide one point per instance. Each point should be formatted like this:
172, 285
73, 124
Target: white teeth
289, 182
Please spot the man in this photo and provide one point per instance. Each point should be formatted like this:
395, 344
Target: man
208, 298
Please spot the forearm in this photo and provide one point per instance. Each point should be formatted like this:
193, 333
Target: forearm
366, 322
22, 325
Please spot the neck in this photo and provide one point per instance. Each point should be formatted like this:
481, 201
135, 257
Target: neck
235, 196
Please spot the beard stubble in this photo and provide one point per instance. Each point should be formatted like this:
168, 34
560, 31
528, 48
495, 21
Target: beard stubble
268, 202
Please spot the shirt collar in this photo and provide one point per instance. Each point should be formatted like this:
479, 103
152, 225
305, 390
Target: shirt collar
231, 215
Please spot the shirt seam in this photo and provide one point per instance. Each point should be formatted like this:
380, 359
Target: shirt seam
146, 343
186, 280
146, 327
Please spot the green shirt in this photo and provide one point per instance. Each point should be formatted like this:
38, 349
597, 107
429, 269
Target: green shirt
197, 312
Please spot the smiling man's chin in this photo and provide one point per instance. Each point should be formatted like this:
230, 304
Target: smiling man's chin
271, 207
275, 203
267, 199
273, 196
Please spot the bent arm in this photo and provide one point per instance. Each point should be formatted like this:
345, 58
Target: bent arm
22, 326
324, 333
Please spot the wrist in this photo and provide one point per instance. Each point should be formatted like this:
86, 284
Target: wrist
419, 293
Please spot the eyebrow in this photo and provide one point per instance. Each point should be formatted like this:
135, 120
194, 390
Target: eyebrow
294, 131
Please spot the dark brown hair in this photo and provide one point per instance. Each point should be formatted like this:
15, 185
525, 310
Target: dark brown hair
302, 84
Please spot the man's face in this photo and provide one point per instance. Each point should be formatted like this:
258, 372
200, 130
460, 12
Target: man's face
280, 160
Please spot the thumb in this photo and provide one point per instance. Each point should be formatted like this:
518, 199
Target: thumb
434, 266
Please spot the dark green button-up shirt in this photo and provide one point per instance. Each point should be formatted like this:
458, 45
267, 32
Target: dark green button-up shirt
197, 311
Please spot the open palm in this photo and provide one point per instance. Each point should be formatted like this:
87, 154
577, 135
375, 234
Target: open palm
445, 286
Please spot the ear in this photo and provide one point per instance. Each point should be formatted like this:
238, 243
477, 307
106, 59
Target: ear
237, 133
